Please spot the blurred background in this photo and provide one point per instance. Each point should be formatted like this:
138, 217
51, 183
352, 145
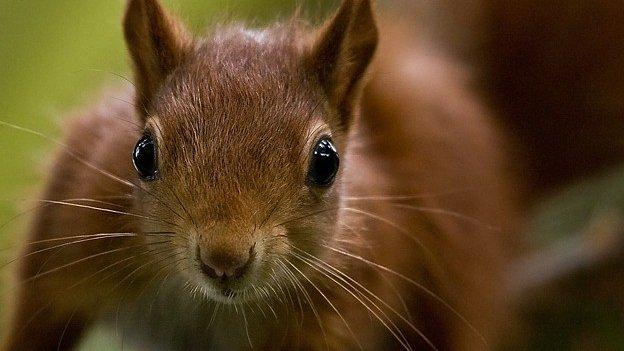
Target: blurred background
56, 56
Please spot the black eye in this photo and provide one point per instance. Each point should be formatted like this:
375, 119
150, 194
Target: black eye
144, 158
324, 163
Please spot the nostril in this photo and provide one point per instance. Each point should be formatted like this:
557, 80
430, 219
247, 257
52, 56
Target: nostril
206, 268
211, 272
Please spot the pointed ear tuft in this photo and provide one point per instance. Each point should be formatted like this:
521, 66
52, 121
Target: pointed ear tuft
157, 44
342, 51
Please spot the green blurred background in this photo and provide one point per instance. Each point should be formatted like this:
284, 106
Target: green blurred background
56, 55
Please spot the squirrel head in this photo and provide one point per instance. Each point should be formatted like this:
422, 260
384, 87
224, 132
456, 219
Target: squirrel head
244, 133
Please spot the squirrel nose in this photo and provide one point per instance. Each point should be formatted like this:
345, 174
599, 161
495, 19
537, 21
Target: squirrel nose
224, 265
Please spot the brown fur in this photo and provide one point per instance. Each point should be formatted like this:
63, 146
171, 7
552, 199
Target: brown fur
236, 115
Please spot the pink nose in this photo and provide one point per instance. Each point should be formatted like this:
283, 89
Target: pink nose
223, 265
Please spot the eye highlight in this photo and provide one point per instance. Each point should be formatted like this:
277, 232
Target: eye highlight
324, 163
145, 159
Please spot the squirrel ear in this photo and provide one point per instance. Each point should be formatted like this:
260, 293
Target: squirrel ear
342, 51
157, 44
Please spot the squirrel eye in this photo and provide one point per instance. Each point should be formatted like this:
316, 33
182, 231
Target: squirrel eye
144, 158
324, 163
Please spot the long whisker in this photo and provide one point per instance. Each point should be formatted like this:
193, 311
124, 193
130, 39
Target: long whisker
392, 327
67, 149
98, 237
148, 263
448, 213
110, 292
281, 289
246, 328
337, 273
397, 293
215, 311
315, 213
395, 226
134, 257
403, 197
103, 235
109, 72
308, 298
163, 281
123, 78
108, 210
71, 316
414, 283
75, 156
37, 276
329, 302
34, 208
289, 277
266, 302
161, 261
83, 280
256, 292
169, 188
156, 260
95, 201
269, 215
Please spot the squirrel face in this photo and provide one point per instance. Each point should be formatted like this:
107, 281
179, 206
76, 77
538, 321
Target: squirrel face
243, 136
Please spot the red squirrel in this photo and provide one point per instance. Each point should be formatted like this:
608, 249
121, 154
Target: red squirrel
281, 188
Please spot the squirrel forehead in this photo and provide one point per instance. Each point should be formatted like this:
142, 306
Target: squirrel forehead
245, 76
248, 85
239, 64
